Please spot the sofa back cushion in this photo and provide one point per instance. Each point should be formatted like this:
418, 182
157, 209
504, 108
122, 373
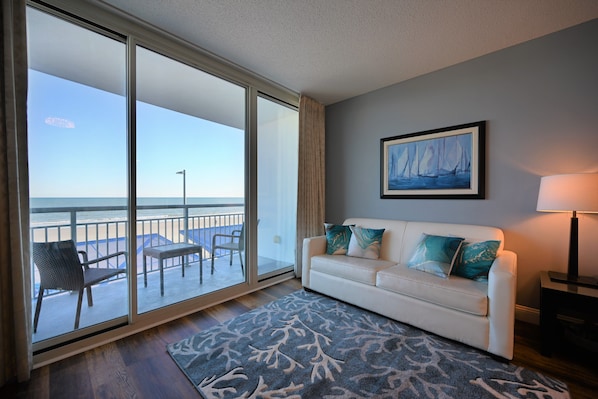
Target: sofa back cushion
400, 237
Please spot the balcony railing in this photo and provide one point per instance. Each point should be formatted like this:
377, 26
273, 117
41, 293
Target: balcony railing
101, 230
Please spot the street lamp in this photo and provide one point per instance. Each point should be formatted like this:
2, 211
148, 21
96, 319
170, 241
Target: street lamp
185, 212
182, 172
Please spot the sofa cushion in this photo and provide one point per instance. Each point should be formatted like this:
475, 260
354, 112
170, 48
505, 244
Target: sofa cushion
365, 242
455, 292
357, 269
435, 254
475, 259
337, 238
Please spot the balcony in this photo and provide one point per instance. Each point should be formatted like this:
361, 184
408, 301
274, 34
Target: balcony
103, 230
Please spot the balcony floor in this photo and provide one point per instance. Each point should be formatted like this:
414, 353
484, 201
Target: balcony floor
110, 300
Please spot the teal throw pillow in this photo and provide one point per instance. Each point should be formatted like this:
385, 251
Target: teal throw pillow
365, 243
475, 259
435, 254
337, 238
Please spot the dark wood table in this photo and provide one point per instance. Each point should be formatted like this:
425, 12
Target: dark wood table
559, 298
170, 251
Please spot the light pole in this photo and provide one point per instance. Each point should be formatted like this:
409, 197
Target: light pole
182, 172
185, 212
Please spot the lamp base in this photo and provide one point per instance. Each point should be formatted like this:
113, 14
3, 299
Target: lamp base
577, 280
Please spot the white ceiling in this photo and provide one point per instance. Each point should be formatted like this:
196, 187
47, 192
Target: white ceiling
332, 50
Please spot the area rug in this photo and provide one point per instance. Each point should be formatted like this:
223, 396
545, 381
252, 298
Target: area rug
307, 345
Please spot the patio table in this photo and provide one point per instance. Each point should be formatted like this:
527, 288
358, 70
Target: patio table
162, 252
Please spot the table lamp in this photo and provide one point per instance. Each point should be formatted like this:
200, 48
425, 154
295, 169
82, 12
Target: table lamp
577, 192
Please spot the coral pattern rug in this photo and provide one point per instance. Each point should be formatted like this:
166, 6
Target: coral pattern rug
307, 345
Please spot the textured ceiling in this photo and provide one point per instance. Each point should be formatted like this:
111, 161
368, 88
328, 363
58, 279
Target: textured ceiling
332, 50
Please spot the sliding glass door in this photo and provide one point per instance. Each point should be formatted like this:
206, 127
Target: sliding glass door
190, 168
77, 136
141, 146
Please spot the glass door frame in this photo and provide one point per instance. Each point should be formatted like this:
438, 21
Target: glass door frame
103, 16
44, 344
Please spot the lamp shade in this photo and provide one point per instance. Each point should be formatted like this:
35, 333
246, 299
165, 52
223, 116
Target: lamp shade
569, 192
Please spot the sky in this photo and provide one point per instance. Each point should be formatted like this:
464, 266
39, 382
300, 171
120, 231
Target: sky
78, 146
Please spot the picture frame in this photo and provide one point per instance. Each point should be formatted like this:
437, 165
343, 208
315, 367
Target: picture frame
446, 163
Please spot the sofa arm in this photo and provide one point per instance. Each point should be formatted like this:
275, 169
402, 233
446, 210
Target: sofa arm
312, 246
502, 290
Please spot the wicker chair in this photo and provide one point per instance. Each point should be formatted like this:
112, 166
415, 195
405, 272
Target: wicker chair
61, 268
235, 243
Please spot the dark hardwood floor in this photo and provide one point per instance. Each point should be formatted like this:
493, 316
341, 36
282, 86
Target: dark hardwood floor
139, 367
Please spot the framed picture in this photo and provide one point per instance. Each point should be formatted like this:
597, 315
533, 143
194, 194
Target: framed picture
442, 163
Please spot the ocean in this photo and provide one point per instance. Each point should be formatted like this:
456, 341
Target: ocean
162, 207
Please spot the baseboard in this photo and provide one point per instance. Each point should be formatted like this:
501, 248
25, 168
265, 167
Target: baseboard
527, 314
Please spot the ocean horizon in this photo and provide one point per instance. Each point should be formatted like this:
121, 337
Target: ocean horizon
163, 208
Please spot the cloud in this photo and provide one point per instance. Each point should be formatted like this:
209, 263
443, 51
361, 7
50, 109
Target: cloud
60, 122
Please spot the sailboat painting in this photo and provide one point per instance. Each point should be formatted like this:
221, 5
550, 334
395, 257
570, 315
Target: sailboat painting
442, 163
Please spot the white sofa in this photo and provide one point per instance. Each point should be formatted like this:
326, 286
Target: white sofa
480, 314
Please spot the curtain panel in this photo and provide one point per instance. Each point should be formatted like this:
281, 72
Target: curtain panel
15, 273
311, 182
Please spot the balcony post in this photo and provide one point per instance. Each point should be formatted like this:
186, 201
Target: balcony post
186, 229
74, 225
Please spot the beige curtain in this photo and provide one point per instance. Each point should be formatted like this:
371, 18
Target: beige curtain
15, 272
311, 184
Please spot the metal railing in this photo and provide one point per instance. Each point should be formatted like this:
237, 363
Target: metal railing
107, 232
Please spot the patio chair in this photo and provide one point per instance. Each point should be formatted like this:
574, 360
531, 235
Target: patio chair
235, 243
61, 268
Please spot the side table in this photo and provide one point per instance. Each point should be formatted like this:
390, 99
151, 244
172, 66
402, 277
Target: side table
566, 299
170, 251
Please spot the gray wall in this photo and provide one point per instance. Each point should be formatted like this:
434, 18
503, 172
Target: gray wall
540, 101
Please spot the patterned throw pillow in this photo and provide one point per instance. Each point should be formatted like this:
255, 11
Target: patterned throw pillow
435, 254
365, 243
475, 259
337, 238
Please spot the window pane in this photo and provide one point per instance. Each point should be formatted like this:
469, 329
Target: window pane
278, 140
190, 180
77, 168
